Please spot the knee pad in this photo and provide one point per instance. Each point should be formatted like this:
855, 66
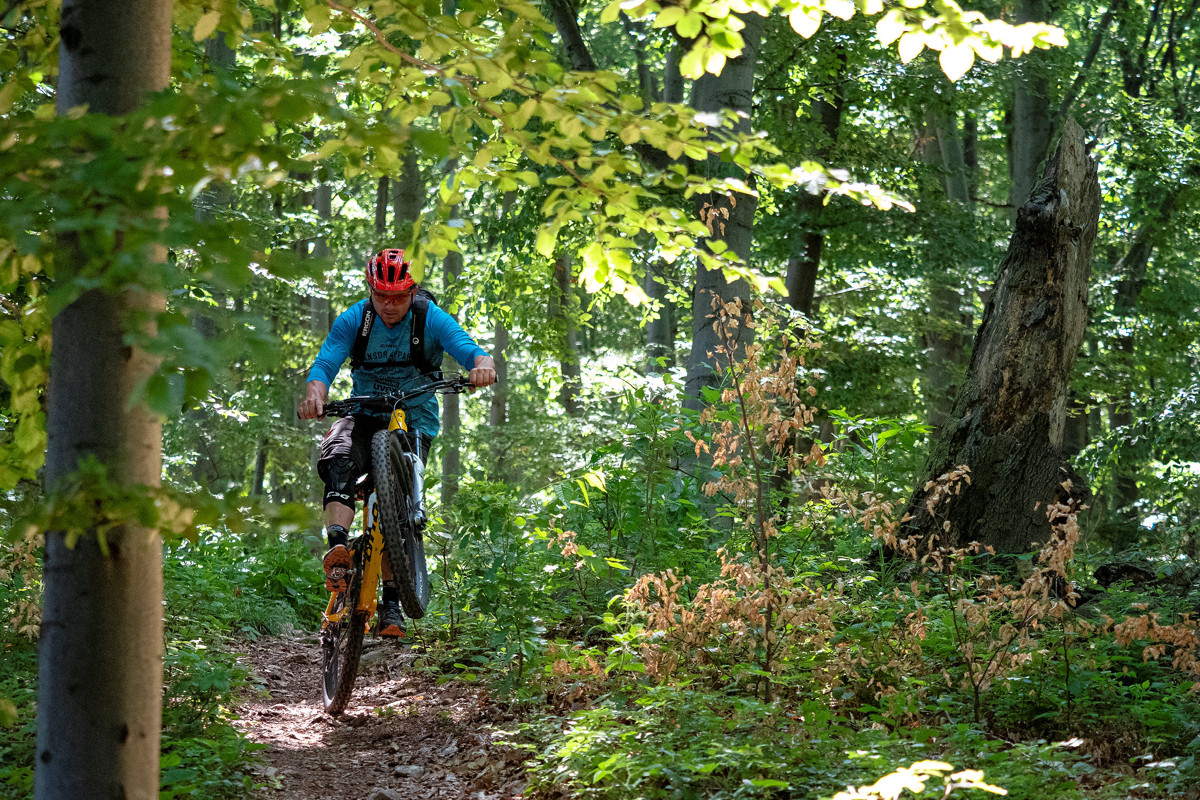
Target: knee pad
338, 474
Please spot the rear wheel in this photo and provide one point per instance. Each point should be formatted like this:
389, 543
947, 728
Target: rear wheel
341, 646
392, 469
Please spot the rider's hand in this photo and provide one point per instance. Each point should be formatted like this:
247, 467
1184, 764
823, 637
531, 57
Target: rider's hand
483, 373
313, 405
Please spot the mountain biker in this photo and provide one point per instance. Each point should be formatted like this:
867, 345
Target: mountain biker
393, 357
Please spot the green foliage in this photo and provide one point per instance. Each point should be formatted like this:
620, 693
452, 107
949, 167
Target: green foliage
18, 728
252, 585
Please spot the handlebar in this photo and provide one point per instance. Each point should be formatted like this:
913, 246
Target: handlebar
387, 402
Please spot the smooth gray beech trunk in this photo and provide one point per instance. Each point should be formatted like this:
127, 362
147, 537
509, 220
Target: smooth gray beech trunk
498, 413
451, 434
382, 194
733, 89
408, 194
809, 242
564, 282
945, 336
1008, 418
100, 657
1032, 118
660, 340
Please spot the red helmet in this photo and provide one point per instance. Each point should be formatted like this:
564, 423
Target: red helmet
387, 271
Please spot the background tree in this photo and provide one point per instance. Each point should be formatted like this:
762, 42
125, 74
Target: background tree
100, 667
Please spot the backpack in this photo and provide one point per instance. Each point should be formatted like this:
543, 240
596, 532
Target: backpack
417, 357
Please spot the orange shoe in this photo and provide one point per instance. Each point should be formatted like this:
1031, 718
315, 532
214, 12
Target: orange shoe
337, 563
391, 621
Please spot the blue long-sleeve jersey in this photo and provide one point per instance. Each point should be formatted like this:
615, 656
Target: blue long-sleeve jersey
442, 335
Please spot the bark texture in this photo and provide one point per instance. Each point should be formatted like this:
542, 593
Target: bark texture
498, 413
100, 657
809, 244
660, 337
408, 194
568, 395
452, 266
1008, 418
1032, 120
732, 89
566, 19
945, 335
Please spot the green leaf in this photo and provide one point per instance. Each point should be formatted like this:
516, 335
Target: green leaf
805, 21
611, 13
668, 17
206, 26
318, 16
430, 142
767, 783
547, 236
956, 60
8, 713
891, 27
689, 26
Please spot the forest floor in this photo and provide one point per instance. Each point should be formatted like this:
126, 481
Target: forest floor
402, 735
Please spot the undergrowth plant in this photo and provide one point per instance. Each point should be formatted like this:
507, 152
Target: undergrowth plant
754, 618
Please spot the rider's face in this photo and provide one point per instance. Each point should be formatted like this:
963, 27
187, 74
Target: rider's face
392, 306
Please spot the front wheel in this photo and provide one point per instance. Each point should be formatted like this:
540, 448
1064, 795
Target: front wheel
341, 648
393, 484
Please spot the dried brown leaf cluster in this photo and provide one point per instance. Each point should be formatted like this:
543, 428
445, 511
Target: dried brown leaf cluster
19, 564
1181, 640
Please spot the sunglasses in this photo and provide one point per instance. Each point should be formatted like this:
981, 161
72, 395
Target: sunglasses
391, 299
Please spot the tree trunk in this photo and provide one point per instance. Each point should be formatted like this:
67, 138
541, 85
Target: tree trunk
1132, 270
647, 86
1008, 418
407, 198
731, 217
381, 205
1032, 120
660, 339
498, 414
805, 263
100, 659
568, 353
944, 338
452, 266
260, 469
672, 91
566, 19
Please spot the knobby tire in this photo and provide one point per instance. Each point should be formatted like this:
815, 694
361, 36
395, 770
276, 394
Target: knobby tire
342, 644
393, 481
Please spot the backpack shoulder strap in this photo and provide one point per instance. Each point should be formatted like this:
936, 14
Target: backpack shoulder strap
417, 349
416, 353
359, 351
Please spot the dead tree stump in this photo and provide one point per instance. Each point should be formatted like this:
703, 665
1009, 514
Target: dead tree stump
1009, 415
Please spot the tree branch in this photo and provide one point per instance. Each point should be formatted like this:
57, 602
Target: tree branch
566, 19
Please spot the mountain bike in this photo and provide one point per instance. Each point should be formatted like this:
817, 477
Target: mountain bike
393, 518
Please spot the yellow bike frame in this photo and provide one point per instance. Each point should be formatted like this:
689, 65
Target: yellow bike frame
372, 559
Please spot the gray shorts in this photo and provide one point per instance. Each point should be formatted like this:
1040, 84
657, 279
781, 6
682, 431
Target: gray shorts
351, 436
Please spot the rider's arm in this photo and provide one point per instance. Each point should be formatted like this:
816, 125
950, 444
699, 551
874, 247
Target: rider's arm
337, 347
462, 348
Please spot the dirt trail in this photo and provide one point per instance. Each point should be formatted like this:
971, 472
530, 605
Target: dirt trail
402, 736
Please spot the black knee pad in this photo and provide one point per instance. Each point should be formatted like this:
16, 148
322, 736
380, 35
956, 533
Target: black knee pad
339, 474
